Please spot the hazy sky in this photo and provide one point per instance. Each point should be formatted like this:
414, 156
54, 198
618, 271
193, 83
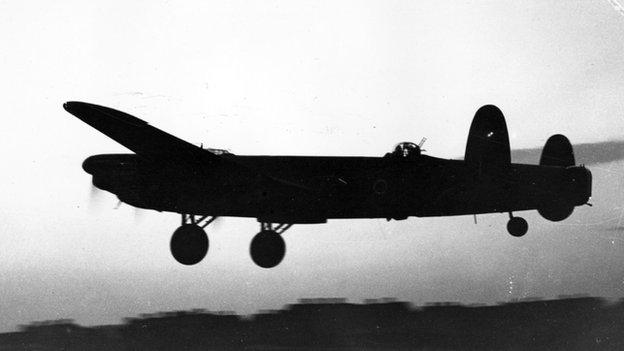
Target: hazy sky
298, 77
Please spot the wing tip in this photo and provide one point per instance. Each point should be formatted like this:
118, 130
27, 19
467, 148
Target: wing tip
86, 111
70, 105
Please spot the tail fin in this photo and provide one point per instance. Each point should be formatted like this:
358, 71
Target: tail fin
488, 140
557, 152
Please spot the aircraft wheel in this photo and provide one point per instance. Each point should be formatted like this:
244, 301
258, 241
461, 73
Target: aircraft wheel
267, 249
189, 244
517, 226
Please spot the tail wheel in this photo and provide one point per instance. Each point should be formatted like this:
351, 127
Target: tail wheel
189, 244
517, 226
267, 249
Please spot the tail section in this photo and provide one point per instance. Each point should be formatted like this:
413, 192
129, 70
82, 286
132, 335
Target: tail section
575, 183
488, 140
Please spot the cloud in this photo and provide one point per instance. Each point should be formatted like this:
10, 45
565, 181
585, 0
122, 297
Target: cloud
587, 153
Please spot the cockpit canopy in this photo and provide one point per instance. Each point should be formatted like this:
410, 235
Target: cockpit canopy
407, 150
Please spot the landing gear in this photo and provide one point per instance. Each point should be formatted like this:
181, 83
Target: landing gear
189, 243
268, 248
517, 226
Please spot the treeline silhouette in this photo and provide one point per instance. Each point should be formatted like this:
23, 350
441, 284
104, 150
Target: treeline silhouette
567, 323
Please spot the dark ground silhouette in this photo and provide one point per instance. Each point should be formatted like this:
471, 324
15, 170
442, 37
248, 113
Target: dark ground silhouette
568, 323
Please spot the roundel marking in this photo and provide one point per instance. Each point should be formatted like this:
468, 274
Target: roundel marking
380, 186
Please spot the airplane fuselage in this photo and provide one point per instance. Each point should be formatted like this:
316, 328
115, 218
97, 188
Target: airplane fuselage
340, 187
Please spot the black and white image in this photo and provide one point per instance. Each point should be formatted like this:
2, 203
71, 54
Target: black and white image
350, 175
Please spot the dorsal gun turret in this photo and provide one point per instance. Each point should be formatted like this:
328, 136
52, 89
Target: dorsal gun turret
407, 150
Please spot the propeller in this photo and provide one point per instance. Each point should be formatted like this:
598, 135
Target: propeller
95, 198
139, 214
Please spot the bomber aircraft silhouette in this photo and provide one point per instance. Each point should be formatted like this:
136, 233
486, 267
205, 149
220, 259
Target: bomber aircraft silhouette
168, 174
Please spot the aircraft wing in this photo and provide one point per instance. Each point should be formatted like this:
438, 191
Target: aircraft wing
137, 135
160, 147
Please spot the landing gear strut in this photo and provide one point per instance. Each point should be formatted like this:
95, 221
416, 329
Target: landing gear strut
189, 243
517, 226
268, 248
